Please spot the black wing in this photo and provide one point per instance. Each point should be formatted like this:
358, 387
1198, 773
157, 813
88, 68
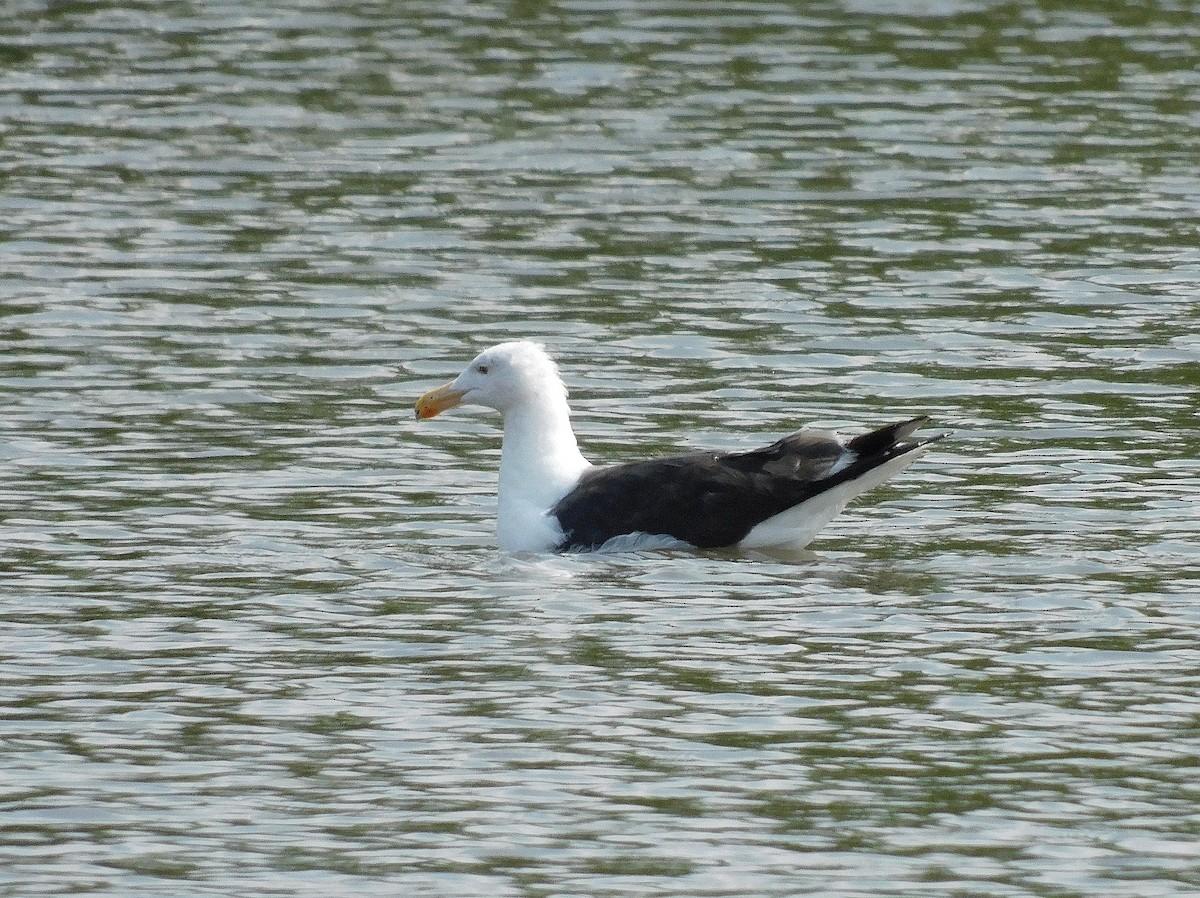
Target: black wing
711, 499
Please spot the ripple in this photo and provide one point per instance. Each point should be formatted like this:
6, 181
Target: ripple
258, 636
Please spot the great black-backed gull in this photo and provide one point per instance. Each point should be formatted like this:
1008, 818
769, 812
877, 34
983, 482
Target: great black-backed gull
553, 499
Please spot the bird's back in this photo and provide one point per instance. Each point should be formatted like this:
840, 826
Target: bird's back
713, 499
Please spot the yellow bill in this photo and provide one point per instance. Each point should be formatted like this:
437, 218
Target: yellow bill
438, 400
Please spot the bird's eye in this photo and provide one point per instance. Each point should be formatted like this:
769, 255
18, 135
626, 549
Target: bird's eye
482, 369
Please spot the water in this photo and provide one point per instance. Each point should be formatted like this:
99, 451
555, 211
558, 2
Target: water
257, 637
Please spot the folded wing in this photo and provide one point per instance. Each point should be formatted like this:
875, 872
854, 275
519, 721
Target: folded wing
713, 499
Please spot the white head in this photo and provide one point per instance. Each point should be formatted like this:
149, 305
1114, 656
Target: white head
502, 377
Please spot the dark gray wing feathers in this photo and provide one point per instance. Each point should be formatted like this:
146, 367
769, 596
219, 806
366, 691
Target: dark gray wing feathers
711, 499
879, 440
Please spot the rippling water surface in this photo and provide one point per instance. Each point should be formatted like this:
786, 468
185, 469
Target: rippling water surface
257, 638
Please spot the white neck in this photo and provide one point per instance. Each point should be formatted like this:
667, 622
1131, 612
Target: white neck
539, 463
